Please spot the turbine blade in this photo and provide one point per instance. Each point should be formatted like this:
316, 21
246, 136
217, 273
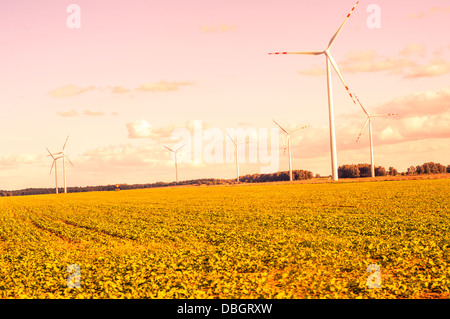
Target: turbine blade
168, 148
379, 115
54, 161
69, 160
180, 148
340, 28
234, 142
362, 106
300, 128
50, 154
305, 53
334, 64
364, 126
64, 146
280, 127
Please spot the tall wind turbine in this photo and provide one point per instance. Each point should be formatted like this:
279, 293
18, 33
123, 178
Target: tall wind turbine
330, 62
176, 166
369, 120
288, 138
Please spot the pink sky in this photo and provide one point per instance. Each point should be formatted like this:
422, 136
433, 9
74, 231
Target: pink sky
137, 70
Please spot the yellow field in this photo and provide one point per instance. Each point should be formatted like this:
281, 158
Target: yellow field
260, 241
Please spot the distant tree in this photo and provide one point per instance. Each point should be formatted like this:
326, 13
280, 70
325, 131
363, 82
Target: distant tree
380, 171
428, 168
442, 169
301, 175
392, 171
419, 169
448, 168
365, 170
431, 168
348, 171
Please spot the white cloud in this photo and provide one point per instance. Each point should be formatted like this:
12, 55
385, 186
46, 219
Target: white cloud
162, 86
218, 28
408, 64
14, 161
71, 113
70, 90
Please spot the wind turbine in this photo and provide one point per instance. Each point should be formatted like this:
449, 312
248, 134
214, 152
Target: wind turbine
330, 62
236, 144
369, 120
62, 155
176, 166
288, 138
56, 168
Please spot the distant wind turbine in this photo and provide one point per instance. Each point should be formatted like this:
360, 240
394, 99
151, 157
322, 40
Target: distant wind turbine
62, 155
56, 168
369, 120
288, 138
236, 144
176, 166
330, 62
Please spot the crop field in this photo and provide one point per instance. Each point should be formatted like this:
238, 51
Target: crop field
253, 241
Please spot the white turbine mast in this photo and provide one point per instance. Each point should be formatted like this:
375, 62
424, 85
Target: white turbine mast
236, 159
176, 165
62, 155
369, 120
330, 62
56, 168
288, 140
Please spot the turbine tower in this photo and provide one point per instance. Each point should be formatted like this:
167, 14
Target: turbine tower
62, 155
369, 120
236, 144
176, 166
330, 62
56, 168
288, 138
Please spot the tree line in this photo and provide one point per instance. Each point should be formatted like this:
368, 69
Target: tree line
275, 177
344, 171
255, 178
364, 170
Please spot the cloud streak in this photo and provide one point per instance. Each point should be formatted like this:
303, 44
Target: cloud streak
71, 113
422, 116
118, 90
430, 12
162, 86
406, 64
15, 161
72, 90
69, 90
93, 113
143, 129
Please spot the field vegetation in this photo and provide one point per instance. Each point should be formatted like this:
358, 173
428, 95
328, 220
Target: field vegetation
285, 240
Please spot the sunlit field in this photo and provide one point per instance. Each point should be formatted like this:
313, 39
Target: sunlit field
285, 240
